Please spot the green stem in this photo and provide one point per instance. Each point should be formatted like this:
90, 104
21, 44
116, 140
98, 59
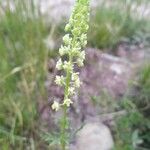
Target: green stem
64, 118
63, 128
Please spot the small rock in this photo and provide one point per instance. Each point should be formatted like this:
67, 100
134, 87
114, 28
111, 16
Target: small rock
94, 136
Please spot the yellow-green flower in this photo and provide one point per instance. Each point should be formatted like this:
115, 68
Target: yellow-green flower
59, 64
76, 80
73, 42
72, 48
67, 102
68, 66
64, 50
67, 40
59, 80
71, 90
55, 106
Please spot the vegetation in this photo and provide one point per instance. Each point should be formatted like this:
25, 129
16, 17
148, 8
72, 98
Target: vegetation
23, 59
133, 130
114, 24
73, 43
23, 69
110, 25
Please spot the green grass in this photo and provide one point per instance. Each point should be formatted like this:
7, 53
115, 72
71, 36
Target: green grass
110, 25
133, 129
23, 62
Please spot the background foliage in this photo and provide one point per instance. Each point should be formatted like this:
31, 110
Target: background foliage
23, 69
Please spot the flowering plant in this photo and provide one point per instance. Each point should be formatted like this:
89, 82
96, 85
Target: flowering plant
73, 42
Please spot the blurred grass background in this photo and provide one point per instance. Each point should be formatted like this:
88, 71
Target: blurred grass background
113, 24
24, 57
23, 62
133, 130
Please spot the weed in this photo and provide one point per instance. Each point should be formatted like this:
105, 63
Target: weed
133, 129
73, 42
22, 74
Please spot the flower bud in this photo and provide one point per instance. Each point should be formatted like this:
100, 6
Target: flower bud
76, 32
67, 102
60, 80
67, 40
72, 44
75, 78
83, 40
68, 66
67, 27
80, 62
59, 64
75, 51
55, 106
64, 50
82, 55
71, 90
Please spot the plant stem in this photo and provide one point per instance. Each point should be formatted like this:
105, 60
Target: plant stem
63, 128
64, 125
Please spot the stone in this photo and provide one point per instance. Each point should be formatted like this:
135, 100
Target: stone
94, 136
